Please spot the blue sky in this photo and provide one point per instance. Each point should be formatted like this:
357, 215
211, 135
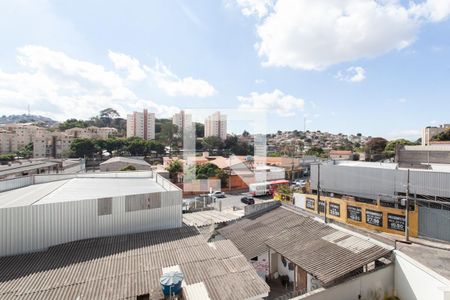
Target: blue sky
376, 67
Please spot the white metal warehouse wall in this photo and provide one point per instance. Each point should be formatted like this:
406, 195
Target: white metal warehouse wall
372, 181
37, 227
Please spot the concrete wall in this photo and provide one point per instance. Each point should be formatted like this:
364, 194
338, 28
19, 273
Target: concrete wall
372, 285
416, 157
416, 282
251, 209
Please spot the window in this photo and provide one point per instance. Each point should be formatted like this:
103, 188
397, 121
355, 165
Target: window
104, 206
142, 202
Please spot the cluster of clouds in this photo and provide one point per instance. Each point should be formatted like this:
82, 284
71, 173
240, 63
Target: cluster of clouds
284, 105
298, 34
352, 74
60, 86
314, 35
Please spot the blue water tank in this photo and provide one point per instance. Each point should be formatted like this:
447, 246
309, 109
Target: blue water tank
171, 283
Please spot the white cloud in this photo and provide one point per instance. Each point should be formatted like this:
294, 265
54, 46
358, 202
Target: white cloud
259, 81
130, 64
312, 35
352, 74
259, 8
432, 10
175, 86
282, 104
59, 86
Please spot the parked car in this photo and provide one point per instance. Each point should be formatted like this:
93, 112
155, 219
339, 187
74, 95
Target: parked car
248, 200
300, 182
217, 194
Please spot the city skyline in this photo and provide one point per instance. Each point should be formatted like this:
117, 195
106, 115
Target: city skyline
213, 55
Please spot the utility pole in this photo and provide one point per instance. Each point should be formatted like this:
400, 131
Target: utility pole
407, 208
318, 188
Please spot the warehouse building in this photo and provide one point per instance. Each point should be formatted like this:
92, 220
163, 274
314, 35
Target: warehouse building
120, 163
386, 183
56, 209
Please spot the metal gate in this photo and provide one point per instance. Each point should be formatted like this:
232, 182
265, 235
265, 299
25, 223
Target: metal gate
434, 222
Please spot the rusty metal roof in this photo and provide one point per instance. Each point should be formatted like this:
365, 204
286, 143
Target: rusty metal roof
321, 250
123, 267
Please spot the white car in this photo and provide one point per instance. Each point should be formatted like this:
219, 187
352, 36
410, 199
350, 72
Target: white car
217, 194
300, 182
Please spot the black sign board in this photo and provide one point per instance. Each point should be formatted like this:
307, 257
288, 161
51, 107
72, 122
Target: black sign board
374, 218
321, 206
396, 222
334, 209
310, 203
354, 213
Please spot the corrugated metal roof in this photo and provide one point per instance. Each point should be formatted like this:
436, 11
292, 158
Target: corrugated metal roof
78, 189
16, 168
319, 249
123, 267
126, 160
250, 234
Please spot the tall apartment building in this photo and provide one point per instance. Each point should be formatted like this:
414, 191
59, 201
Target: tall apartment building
141, 124
15, 136
429, 132
53, 144
92, 132
182, 120
216, 125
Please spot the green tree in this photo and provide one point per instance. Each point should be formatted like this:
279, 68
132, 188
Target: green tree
6, 157
314, 151
199, 129
443, 136
212, 144
223, 176
113, 144
175, 167
206, 170
72, 123
389, 150
26, 151
374, 148
137, 146
83, 147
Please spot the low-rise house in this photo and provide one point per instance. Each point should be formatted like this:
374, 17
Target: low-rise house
304, 253
341, 155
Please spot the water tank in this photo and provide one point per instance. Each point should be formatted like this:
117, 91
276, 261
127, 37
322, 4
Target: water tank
171, 283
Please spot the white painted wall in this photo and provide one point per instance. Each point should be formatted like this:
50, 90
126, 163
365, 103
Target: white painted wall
300, 200
282, 270
415, 281
367, 286
37, 227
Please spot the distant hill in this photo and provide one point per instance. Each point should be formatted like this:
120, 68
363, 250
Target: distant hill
27, 119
